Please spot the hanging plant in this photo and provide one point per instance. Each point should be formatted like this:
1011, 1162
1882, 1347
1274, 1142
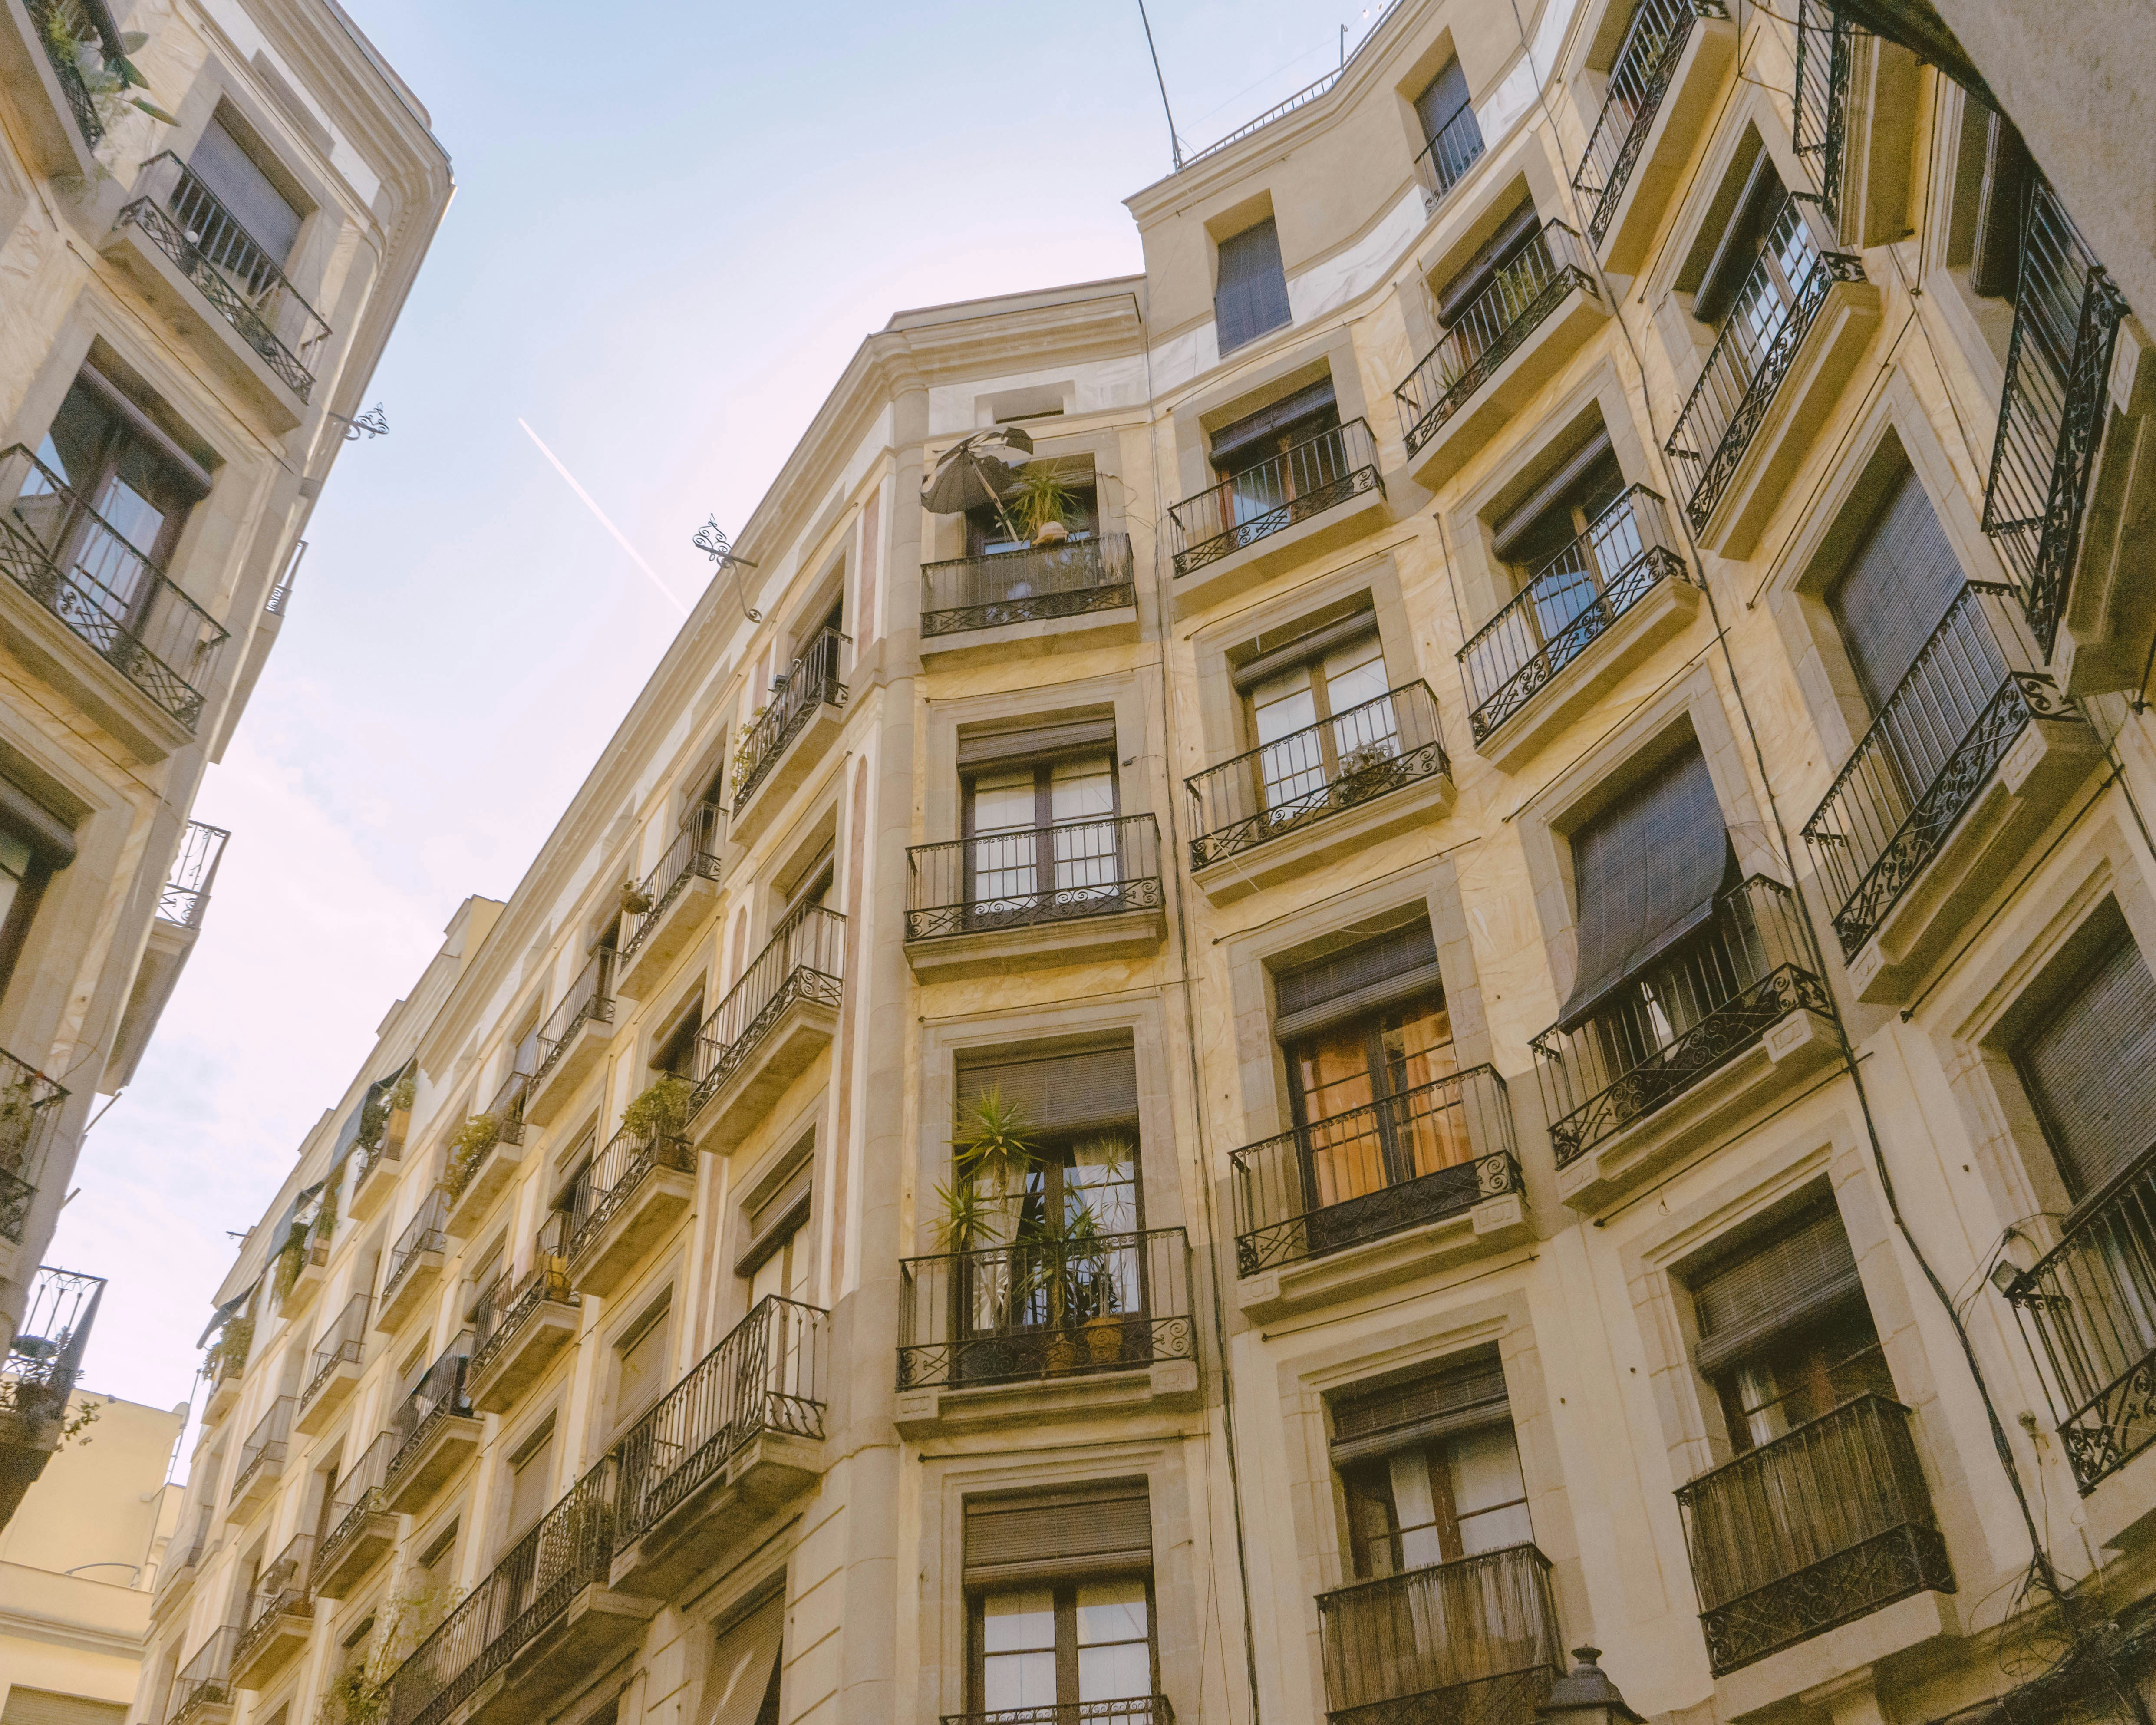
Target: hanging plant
634, 900
229, 1352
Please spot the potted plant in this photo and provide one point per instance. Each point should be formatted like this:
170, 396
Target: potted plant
1065, 1266
402, 1094
1045, 503
991, 1155
661, 1110
1366, 769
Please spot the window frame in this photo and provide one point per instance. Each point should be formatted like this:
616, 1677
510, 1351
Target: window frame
1064, 1593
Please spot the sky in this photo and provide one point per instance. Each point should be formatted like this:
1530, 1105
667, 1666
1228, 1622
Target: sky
674, 225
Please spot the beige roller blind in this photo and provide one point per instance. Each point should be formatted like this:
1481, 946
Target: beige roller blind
1045, 1536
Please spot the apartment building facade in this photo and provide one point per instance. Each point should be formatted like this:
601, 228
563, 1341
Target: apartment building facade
1415, 944
210, 218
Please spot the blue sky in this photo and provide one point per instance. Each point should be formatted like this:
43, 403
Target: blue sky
673, 226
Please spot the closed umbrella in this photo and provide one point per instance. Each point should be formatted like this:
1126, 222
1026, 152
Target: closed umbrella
976, 471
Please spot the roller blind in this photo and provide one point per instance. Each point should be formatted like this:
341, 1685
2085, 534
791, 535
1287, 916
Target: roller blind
1518, 522
743, 1666
1048, 1536
1441, 100
1304, 648
1034, 741
242, 187
1804, 1273
1647, 870
2091, 1069
1252, 295
1059, 1092
45, 1707
1898, 587
1384, 1421
1241, 436
45, 832
1393, 967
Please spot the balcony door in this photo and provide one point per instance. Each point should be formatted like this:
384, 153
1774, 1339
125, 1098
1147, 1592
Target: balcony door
1319, 715
253, 258
1485, 295
1268, 459
1568, 541
1760, 264
1040, 825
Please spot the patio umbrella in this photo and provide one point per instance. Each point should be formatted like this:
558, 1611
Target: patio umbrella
976, 471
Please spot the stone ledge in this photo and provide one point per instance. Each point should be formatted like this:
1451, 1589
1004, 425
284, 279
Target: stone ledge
1385, 1262
1035, 946
1308, 847
1168, 1385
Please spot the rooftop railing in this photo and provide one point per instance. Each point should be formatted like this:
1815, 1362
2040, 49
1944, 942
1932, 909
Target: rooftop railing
186, 890
266, 1445
1428, 1152
804, 959
424, 1233
1646, 62
1445, 158
589, 1000
342, 1343
1255, 502
766, 1376
1472, 1639
205, 1681
613, 1176
1064, 873
109, 595
1303, 98
438, 1396
693, 852
1935, 744
811, 681
1322, 770
1491, 328
1689, 1012
1823, 1525
29, 1110
1026, 586
358, 1498
280, 1590
506, 1303
1566, 606
208, 244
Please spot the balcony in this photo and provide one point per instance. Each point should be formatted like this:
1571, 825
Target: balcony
182, 1568
203, 1693
261, 1460
1474, 1640
475, 1180
1445, 158
1315, 795
1376, 1195
624, 1203
280, 1616
362, 1528
1797, 326
1732, 1017
1014, 1333
1041, 599
2070, 473
309, 1264
573, 1039
544, 1616
773, 1022
222, 1374
1826, 1524
523, 1323
153, 651
198, 261
415, 1264
42, 1367
1062, 895
1967, 763
436, 1433
375, 1178
679, 892
180, 908
1668, 71
1501, 347
1256, 522
1130, 1710
333, 1373
30, 1112
789, 736
1585, 620
730, 1445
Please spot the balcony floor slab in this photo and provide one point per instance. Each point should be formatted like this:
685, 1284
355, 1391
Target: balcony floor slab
416, 1284
262, 1662
555, 1088
420, 1481
1764, 1690
598, 1626
1167, 1386
1038, 946
1688, 105
661, 1198
803, 1032
550, 1327
1567, 328
1374, 1265
671, 936
497, 1169
1018, 642
351, 1563
759, 1480
1311, 846
329, 1401
787, 774
374, 1186
1232, 576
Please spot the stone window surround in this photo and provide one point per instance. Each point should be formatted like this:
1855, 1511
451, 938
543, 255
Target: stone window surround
1691, 710
656, 1299
1317, 355
1178, 1578
943, 536
1118, 694
1981, 327
1080, 1023
1224, 726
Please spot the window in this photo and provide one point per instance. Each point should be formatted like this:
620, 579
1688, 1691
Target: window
1318, 708
2090, 1064
1060, 1586
235, 179
675, 1051
1475, 327
1784, 1335
1252, 297
1083, 1109
1268, 459
1763, 256
1431, 1471
1448, 126
1992, 177
641, 1364
776, 1259
1038, 808
434, 1581
817, 880
1896, 591
23, 872
742, 1685
1571, 538
530, 1483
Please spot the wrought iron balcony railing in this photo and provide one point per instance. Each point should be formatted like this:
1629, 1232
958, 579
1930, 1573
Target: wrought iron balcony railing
81, 568
803, 960
29, 1110
506, 1110
1819, 113
1934, 745
438, 1396
1130, 1710
342, 1343
589, 1001
611, 1180
571, 1548
693, 852
1322, 770
1445, 158
1645, 65
280, 1590
1428, 1152
43, 1362
506, 1303
210, 245
1826, 1524
1042, 1309
2087, 1310
1026, 586
1472, 1639
205, 1681
266, 1445
1758, 344
1255, 502
766, 1376
1691, 1011
1566, 603
811, 681
358, 1499
186, 890
2066, 315
64, 29
426, 1232
1059, 874
1491, 328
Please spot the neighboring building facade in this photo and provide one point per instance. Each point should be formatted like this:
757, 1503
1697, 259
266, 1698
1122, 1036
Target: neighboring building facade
191, 308
1465, 1024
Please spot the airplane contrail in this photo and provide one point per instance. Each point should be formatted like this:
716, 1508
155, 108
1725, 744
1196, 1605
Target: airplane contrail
621, 538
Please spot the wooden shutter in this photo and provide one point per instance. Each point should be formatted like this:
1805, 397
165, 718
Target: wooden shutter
1052, 1535
1252, 296
1798, 1275
1379, 1422
1059, 1092
1394, 967
1647, 870
1241, 437
2091, 1069
1441, 100
45, 1707
1895, 590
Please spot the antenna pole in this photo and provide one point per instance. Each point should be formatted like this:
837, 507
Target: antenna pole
1174, 143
